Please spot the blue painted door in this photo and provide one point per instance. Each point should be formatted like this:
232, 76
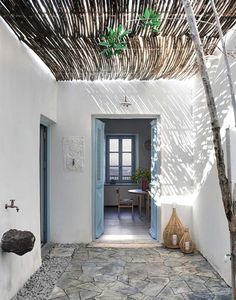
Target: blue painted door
155, 179
43, 183
99, 177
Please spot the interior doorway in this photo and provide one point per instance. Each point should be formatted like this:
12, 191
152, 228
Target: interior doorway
127, 155
121, 147
43, 184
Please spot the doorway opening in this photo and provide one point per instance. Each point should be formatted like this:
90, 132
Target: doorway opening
43, 184
124, 207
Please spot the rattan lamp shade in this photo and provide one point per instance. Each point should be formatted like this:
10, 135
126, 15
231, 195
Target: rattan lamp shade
174, 227
186, 244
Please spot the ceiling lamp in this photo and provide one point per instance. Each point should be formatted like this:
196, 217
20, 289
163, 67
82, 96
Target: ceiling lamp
125, 103
209, 59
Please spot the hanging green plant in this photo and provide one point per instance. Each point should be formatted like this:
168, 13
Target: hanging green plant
151, 19
114, 41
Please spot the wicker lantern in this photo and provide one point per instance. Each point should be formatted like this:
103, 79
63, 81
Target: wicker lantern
186, 244
173, 232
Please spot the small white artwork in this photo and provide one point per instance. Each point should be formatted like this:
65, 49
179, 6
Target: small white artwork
73, 151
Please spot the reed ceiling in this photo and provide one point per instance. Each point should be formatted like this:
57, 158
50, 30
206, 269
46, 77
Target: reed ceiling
65, 35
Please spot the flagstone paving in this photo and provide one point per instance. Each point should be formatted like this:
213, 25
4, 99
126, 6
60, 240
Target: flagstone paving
152, 273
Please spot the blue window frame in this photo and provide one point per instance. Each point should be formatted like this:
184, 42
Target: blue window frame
120, 158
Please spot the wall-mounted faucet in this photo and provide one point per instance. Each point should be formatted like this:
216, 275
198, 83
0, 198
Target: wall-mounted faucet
12, 205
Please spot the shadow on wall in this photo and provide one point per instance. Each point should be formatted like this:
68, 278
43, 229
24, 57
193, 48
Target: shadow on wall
172, 101
204, 157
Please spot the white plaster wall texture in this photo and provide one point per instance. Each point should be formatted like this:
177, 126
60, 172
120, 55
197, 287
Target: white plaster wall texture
77, 102
27, 91
210, 224
233, 160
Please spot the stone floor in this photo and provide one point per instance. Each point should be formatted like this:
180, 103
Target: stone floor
143, 273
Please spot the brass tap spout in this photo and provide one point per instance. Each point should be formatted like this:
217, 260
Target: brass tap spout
12, 205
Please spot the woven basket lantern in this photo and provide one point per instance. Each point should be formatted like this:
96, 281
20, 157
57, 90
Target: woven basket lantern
173, 232
186, 244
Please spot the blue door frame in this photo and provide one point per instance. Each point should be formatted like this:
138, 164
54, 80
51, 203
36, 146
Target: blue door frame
155, 179
43, 183
155, 173
98, 171
47, 123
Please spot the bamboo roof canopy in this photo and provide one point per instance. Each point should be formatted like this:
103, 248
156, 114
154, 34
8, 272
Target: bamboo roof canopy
65, 34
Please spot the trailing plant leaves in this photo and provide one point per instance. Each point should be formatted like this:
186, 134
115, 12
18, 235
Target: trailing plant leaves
105, 44
107, 52
120, 47
146, 13
151, 19
114, 41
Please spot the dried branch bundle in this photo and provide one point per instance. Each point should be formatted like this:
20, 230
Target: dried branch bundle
65, 35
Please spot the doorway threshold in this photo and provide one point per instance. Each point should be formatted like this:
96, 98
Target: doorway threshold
125, 244
125, 241
126, 238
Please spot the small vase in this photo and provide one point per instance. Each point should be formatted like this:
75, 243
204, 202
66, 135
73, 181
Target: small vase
144, 184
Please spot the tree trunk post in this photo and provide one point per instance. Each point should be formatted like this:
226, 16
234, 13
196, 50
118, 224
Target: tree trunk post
232, 229
233, 263
215, 126
223, 180
231, 86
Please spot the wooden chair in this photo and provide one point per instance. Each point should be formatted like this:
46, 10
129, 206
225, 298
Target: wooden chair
124, 203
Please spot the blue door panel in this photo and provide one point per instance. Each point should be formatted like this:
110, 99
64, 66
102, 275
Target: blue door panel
99, 177
155, 179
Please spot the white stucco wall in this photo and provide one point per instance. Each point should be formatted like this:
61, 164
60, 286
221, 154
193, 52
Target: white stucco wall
77, 102
232, 134
210, 224
26, 91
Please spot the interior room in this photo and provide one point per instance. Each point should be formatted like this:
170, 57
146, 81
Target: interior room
135, 137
